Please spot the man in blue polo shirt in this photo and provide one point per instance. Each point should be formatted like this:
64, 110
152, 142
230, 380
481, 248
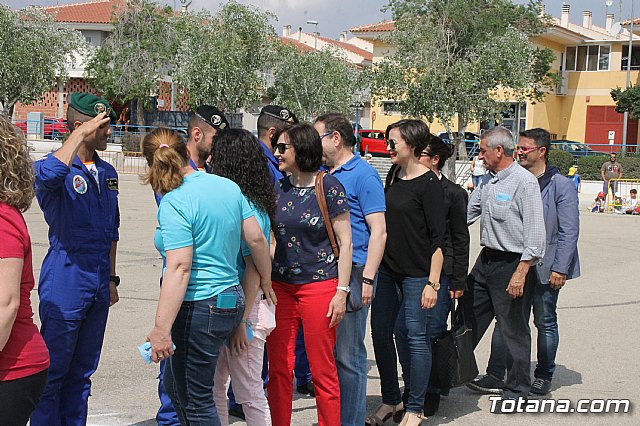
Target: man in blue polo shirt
365, 193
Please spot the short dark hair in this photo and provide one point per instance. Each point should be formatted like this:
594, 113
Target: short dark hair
306, 141
633, 191
338, 123
266, 121
436, 146
74, 115
195, 121
540, 137
414, 132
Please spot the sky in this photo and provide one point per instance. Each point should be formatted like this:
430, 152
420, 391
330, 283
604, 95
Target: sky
335, 16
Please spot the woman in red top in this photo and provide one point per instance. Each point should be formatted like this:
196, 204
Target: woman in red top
24, 358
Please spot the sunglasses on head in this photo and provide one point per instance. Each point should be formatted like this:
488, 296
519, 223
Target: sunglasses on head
282, 147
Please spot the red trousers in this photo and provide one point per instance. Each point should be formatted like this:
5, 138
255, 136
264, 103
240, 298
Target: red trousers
308, 303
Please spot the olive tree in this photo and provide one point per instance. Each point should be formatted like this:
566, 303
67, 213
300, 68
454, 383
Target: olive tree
36, 52
463, 59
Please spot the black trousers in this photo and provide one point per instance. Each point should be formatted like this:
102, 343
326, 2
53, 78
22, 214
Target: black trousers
19, 398
489, 299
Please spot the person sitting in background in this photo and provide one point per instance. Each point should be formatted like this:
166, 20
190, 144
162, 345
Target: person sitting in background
598, 204
24, 358
631, 203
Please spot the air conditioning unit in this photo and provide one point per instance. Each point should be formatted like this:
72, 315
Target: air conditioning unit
561, 86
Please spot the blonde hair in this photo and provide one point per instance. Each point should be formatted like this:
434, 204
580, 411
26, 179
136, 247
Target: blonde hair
16, 167
166, 155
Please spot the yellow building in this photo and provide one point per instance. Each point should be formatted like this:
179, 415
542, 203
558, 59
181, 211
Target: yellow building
590, 61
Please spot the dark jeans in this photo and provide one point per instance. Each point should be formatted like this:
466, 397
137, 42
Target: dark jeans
545, 301
19, 398
488, 283
398, 298
198, 332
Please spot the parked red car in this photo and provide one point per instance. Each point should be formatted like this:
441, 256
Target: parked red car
54, 128
372, 142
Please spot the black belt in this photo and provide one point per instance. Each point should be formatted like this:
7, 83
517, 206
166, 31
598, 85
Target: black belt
499, 253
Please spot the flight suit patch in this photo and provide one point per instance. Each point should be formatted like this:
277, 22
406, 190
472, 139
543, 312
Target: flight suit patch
112, 184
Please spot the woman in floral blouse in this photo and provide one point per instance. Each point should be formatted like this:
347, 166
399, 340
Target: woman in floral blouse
311, 284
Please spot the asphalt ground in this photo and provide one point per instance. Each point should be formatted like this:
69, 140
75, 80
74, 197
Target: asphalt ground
599, 317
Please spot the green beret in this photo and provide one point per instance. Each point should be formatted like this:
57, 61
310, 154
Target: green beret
91, 105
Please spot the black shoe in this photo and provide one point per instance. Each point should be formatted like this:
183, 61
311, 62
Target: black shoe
444, 392
307, 389
487, 384
431, 404
237, 412
540, 387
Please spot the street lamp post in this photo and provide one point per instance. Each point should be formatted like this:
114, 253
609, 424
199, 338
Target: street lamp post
315, 33
626, 113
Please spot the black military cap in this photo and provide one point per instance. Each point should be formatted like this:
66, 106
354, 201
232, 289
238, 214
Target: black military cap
213, 116
280, 113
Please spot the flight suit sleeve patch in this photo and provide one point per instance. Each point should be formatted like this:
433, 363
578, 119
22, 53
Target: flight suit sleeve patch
112, 184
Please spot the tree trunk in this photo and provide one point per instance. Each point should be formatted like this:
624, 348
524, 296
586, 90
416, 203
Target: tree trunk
140, 113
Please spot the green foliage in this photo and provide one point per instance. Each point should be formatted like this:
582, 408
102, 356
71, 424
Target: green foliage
223, 58
589, 167
140, 50
314, 83
454, 58
36, 52
627, 100
561, 159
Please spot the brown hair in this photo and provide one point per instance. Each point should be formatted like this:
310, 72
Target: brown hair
16, 169
166, 155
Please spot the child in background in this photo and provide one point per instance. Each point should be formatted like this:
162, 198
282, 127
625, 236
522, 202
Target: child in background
598, 204
575, 177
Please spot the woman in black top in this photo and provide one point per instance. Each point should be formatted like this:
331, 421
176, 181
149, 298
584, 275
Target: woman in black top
453, 281
408, 280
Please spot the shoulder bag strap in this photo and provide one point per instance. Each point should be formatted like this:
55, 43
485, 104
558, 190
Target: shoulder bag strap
322, 202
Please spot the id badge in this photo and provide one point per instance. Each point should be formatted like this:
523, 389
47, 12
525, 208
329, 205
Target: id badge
226, 301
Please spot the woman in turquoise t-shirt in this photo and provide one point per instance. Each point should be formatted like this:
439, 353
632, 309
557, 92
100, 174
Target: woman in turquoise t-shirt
202, 219
236, 154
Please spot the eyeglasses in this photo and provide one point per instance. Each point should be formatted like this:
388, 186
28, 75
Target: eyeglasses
324, 135
526, 149
282, 147
426, 154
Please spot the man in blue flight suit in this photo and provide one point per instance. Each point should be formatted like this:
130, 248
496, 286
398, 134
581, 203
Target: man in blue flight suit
78, 193
203, 126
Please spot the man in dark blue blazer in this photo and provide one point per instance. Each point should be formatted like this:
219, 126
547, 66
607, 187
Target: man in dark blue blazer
559, 264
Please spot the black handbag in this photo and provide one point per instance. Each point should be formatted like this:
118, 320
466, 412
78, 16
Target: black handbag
454, 363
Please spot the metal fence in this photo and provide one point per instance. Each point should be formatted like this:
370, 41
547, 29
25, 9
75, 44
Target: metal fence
619, 196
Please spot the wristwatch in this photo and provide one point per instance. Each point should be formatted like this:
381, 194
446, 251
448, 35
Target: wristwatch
114, 279
346, 288
435, 286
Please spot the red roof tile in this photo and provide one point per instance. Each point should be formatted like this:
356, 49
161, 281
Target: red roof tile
300, 46
384, 26
92, 12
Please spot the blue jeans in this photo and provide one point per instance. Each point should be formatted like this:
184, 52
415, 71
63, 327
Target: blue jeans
545, 301
436, 328
198, 332
398, 298
351, 361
